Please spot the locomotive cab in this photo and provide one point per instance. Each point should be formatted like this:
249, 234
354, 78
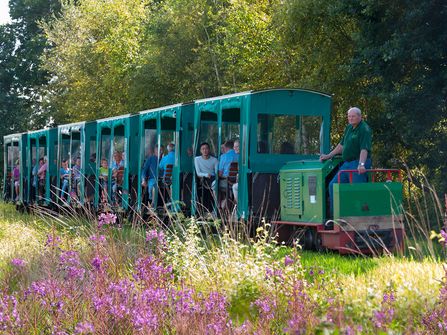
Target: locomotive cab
367, 217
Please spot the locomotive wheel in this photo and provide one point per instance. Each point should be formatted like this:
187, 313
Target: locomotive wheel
309, 238
318, 243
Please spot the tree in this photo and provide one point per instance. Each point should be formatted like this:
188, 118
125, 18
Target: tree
401, 59
96, 47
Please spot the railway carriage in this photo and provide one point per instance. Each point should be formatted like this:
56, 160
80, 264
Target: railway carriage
14, 151
42, 144
161, 126
117, 134
77, 141
274, 127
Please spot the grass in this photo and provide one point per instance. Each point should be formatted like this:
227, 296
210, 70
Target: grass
214, 261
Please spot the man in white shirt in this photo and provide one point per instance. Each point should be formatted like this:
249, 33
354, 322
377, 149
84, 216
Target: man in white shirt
206, 169
206, 165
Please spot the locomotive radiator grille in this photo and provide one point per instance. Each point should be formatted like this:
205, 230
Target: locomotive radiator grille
292, 193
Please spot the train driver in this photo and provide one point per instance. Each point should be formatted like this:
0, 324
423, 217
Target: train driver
355, 147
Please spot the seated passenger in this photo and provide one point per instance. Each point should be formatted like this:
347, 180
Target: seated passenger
169, 159
149, 173
206, 167
41, 174
16, 178
160, 153
103, 178
224, 167
64, 172
35, 177
205, 164
76, 187
117, 175
225, 161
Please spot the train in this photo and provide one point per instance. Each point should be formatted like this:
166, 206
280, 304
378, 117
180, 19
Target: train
279, 175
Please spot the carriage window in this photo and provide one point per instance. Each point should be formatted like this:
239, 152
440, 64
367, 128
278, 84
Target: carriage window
75, 149
167, 135
289, 134
105, 147
92, 149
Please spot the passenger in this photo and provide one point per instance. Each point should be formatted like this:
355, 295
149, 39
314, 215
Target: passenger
222, 149
16, 178
36, 167
103, 178
189, 152
226, 159
160, 153
355, 147
64, 172
77, 177
205, 164
149, 173
169, 159
117, 175
206, 168
90, 184
235, 185
224, 168
41, 174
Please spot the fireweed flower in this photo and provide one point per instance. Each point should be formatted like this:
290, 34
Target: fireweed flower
266, 307
152, 272
143, 319
301, 309
435, 320
288, 261
106, 219
70, 264
122, 294
385, 315
9, 317
84, 328
18, 262
156, 238
443, 234
268, 272
49, 293
185, 303
52, 241
98, 263
215, 309
98, 238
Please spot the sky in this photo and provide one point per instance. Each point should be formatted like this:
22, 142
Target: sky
4, 11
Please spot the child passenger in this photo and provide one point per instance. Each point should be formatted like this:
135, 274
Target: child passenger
103, 178
16, 176
65, 175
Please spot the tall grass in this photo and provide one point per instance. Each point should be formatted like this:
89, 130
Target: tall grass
184, 275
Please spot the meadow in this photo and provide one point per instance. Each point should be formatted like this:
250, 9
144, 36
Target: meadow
67, 275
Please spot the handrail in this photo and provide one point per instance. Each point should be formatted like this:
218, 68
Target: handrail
389, 174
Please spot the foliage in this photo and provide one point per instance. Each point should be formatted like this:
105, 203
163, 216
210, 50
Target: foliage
107, 58
401, 62
93, 67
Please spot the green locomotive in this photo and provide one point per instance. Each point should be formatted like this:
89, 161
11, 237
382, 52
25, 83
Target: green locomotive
367, 216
